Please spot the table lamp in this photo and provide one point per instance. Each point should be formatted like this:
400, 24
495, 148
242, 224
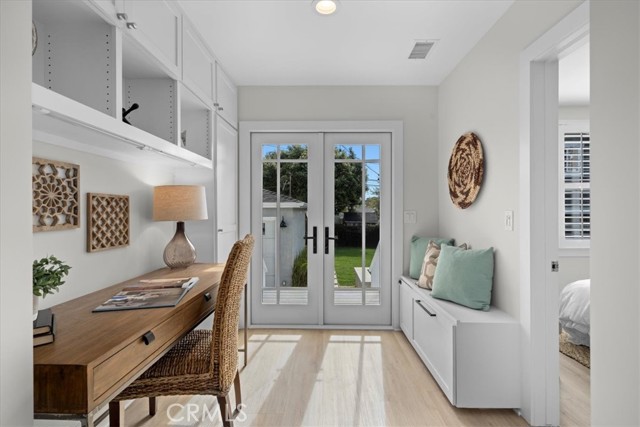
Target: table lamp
179, 203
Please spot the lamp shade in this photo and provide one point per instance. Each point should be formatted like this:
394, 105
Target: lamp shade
179, 203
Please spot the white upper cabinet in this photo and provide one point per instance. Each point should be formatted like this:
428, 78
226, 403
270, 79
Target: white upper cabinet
226, 97
197, 64
94, 60
155, 24
75, 53
108, 9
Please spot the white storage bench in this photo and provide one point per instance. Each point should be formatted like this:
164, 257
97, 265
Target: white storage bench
473, 355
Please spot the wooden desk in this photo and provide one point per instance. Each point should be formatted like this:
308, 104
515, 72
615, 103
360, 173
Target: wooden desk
96, 355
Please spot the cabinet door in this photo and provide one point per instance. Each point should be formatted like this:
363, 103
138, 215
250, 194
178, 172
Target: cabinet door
226, 97
406, 310
107, 8
157, 29
433, 340
197, 64
226, 188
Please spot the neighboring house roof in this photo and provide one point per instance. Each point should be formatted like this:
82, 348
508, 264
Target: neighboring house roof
356, 217
269, 199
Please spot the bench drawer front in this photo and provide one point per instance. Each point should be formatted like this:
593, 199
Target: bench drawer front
433, 338
406, 310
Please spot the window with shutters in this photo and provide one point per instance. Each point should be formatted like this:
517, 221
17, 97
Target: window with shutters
575, 185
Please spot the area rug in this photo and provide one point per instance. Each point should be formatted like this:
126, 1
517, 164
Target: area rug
579, 353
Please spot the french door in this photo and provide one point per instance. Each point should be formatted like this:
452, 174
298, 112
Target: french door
322, 214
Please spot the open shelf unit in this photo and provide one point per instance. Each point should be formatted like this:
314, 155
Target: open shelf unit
145, 84
75, 55
86, 71
195, 124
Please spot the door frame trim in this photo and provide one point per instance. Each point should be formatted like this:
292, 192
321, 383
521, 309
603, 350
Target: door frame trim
394, 127
538, 141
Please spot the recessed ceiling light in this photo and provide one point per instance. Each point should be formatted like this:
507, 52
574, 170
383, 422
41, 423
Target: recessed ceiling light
325, 7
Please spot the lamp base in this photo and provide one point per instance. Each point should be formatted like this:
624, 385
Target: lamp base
179, 252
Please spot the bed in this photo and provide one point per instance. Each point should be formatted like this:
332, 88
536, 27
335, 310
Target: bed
575, 311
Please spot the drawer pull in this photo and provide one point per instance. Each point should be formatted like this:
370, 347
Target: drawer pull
425, 309
207, 297
148, 338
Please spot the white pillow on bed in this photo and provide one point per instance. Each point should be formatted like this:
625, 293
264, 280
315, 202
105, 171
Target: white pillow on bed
575, 316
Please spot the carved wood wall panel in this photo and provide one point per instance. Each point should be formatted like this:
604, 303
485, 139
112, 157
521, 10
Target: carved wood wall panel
107, 221
56, 195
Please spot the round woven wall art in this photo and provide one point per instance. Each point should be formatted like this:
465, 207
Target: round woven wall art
466, 169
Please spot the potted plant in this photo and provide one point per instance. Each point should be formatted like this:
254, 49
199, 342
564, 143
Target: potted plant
47, 277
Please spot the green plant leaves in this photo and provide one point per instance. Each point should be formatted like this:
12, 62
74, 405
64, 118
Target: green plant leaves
48, 273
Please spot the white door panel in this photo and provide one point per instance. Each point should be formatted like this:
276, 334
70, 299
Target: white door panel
226, 189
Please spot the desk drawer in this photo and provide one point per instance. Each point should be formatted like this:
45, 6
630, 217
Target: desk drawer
147, 347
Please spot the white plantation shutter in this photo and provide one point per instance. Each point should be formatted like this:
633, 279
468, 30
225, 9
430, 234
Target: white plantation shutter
575, 185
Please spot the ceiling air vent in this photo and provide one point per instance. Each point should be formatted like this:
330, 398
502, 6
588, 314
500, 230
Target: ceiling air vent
421, 49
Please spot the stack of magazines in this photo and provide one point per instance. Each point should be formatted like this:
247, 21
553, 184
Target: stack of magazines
150, 293
44, 328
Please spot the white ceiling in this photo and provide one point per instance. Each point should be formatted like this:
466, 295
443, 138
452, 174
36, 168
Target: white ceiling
574, 78
265, 42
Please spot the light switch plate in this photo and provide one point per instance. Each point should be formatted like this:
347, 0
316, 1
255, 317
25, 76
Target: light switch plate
409, 217
508, 220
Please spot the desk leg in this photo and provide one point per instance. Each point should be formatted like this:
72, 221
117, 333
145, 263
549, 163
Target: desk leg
87, 421
116, 414
246, 326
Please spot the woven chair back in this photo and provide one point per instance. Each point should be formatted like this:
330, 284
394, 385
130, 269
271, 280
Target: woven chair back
224, 344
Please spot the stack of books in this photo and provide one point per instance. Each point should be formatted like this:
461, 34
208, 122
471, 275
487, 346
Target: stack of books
44, 328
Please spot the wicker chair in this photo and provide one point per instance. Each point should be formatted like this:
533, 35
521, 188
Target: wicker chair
203, 362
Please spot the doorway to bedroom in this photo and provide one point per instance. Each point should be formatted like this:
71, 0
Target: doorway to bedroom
320, 202
574, 229
556, 226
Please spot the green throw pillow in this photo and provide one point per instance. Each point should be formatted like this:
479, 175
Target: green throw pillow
418, 249
464, 277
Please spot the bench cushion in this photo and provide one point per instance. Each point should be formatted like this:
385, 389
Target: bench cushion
464, 277
418, 249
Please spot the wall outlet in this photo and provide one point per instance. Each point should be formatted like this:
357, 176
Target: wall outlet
508, 220
409, 217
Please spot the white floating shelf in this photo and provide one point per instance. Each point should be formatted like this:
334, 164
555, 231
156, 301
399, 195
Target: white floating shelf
61, 121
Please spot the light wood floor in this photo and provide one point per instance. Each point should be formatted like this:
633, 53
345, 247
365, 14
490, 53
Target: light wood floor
346, 378
575, 393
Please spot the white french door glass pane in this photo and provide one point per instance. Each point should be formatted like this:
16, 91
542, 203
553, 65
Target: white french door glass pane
281, 188
357, 286
284, 212
357, 224
373, 220
269, 273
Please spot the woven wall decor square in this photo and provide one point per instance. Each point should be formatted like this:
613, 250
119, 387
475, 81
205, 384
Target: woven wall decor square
55, 190
107, 221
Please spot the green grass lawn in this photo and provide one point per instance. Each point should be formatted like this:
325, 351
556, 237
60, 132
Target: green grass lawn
346, 259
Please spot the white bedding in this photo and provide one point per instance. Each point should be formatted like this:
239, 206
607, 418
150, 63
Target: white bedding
575, 311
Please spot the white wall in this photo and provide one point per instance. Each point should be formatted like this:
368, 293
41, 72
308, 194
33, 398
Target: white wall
93, 271
482, 95
415, 106
615, 252
16, 347
573, 113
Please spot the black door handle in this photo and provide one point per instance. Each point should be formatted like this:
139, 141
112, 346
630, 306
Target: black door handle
314, 237
326, 240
